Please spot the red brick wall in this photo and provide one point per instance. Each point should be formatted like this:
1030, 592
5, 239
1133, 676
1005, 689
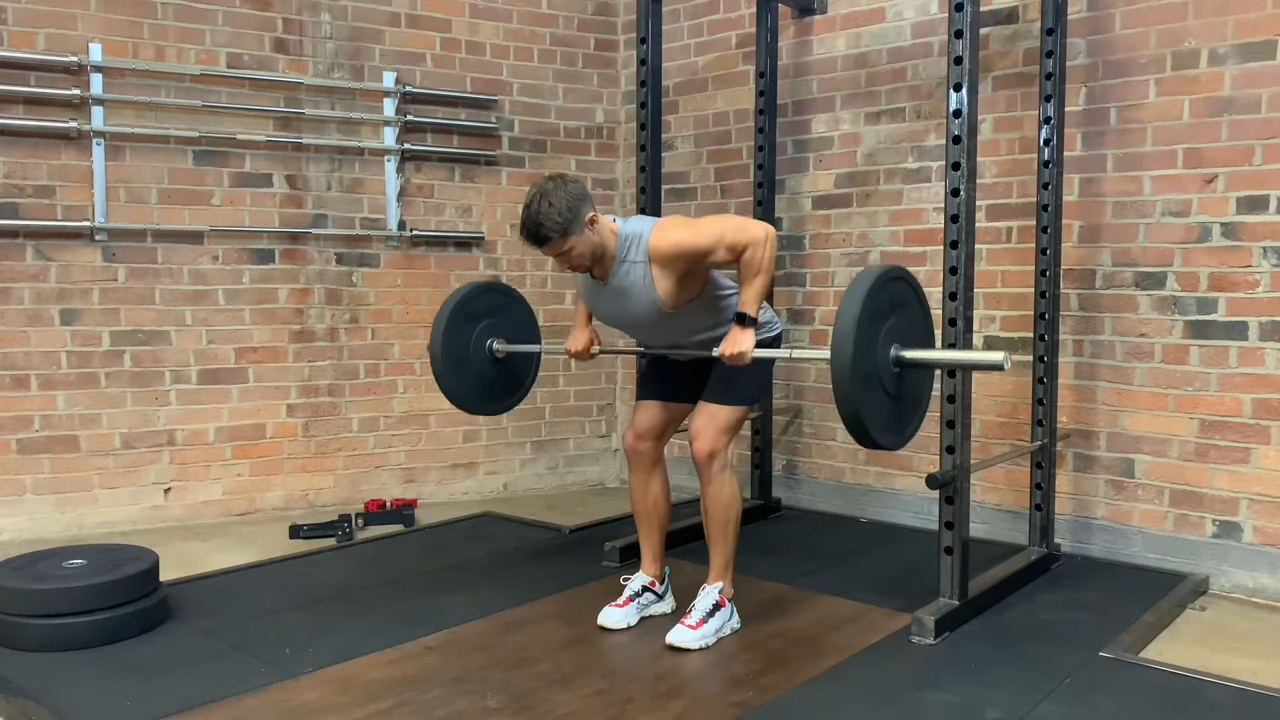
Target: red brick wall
1169, 344
159, 379
162, 380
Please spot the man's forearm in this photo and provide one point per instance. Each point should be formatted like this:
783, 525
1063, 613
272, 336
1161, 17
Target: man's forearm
755, 271
582, 315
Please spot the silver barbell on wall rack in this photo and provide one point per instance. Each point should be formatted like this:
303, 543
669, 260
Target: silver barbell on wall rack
74, 127
76, 95
87, 226
74, 62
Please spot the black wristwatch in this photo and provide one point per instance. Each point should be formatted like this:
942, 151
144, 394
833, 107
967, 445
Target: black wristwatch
742, 319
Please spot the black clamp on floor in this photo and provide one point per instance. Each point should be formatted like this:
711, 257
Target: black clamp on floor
342, 530
404, 516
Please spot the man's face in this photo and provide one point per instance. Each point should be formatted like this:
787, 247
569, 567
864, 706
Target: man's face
575, 253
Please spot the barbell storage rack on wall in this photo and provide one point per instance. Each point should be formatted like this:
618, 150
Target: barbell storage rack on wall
392, 123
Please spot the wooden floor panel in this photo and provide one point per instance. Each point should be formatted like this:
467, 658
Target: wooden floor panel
547, 659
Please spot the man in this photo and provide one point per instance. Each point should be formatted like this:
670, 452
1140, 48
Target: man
659, 281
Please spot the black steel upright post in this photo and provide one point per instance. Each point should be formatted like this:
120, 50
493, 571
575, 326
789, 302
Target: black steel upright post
766, 178
957, 294
961, 599
649, 107
1048, 280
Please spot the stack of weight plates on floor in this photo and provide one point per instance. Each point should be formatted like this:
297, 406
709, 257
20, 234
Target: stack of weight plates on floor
80, 596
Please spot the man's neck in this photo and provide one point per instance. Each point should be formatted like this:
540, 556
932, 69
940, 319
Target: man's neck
608, 251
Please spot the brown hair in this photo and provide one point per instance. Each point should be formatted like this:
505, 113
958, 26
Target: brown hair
555, 208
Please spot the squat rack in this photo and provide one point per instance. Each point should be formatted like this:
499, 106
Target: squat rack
761, 504
960, 598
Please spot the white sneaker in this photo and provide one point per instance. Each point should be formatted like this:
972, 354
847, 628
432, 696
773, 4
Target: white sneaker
710, 617
643, 597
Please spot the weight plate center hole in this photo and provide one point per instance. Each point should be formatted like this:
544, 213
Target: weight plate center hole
888, 368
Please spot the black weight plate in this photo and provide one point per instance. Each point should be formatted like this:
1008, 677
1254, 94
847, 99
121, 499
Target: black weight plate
469, 376
85, 630
77, 579
882, 407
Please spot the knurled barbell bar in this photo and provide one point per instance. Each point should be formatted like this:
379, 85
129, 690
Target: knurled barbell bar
486, 349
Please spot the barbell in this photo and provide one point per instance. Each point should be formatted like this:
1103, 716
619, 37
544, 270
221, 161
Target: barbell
486, 347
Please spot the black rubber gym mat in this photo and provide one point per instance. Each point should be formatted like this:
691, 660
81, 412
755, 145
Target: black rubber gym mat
237, 631
1110, 689
1001, 665
888, 566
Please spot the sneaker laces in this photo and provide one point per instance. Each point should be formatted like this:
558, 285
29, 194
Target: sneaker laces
708, 597
632, 584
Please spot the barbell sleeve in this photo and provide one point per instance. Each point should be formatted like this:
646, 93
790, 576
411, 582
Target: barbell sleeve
943, 358
994, 360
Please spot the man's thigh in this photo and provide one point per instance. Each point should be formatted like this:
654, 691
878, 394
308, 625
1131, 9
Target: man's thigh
742, 386
673, 381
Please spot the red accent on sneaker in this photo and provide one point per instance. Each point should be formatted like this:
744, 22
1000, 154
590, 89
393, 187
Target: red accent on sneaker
692, 626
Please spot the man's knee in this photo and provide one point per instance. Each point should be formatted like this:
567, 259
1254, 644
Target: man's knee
710, 449
644, 441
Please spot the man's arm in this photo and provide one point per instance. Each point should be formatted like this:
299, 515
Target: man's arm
721, 241
581, 314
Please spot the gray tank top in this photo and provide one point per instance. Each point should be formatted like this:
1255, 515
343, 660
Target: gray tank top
629, 302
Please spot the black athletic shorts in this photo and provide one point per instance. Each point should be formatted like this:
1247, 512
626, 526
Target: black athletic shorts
689, 380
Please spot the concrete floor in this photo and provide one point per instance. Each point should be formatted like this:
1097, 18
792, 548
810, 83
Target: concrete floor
1223, 635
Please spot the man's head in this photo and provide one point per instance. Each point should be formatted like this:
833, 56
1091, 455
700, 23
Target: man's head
559, 218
